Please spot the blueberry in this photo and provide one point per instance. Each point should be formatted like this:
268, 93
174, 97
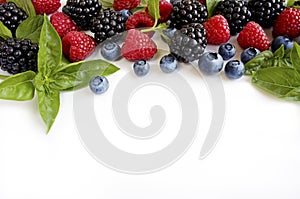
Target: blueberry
168, 34
125, 13
111, 51
211, 63
99, 84
227, 51
141, 68
249, 54
281, 40
234, 69
168, 63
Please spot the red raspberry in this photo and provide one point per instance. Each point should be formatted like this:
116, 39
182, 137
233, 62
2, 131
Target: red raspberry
125, 4
287, 23
217, 30
2, 1
62, 23
46, 6
165, 10
139, 20
77, 46
253, 35
138, 46
202, 1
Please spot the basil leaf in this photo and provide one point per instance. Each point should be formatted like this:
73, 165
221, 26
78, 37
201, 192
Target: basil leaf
77, 75
257, 62
49, 102
5, 33
30, 28
282, 82
18, 87
153, 8
4, 77
107, 3
295, 56
211, 5
50, 52
279, 53
25, 5
290, 3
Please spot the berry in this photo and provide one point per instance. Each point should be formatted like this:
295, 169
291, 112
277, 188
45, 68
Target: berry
82, 11
186, 12
111, 51
281, 40
265, 12
236, 13
249, 54
18, 56
211, 63
125, 13
141, 67
138, 46
62, 23
77, 46
202, 1
227, 51
217, 30
287, 23
253, 36
168, 63
2, 1
125, 4
46, 6
139, 20
99, 84
165, 10
11, 16
234, 69
107, 24
188, 43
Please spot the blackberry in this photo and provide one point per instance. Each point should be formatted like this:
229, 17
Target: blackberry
265, 12
82, 11
186, 12
107, 24
236, 13
17, 56
11, 16
189, 43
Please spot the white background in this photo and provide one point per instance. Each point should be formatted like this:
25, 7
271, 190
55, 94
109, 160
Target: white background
258, 155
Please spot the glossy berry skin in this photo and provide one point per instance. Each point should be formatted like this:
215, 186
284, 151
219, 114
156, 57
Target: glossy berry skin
111, 51
234, 69
125, 4
62, 23
281, 40
227, 51
46, 6
217, 30
249, 54
168, 63
141, 68
99, 84
125, 13
211, 63
139, 20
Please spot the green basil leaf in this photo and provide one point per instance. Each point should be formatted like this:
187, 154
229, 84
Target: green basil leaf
5, 33
77, 75
257, 62
25, 5
18, 87
153, 8
295, 56
211, 5
290, 3
49, 102
279, 81
30, 28
4, 77
107, 3
279, 53
50, 52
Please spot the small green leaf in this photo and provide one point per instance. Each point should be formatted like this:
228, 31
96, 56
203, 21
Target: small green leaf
290, 3
49, 102
295, 56
279, 53
30, 28
257, 62
5, 33
50, 52
153, 8
211, 5
18, 87
4, 77
107, 3
25, 5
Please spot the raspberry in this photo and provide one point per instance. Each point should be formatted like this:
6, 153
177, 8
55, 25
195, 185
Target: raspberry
287, 23
139, 20
2, 1
217, 30
202, 1
46, 6
253, 36
138, 46
125, 4
165, 10
62, 23
77, 46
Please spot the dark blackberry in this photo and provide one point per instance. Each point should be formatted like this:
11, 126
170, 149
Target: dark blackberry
82, 11
17, 56
189, 43
186, 12
236, 13
107, 24
11, 16
265, 12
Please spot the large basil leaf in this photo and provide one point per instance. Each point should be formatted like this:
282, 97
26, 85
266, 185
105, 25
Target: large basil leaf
4, 77
153, 8
211, 5
18, 87
5, 33
30, 28
295, 56
25, 5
